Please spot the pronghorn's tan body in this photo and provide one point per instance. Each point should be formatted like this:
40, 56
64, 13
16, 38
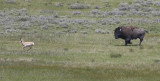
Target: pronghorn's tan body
26, 44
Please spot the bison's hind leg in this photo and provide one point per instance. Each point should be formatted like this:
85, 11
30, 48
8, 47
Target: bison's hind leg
140, 41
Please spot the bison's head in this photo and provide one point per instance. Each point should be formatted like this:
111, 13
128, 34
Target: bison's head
118, 33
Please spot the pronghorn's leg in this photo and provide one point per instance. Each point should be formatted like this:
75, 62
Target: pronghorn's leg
29, 48
23, 48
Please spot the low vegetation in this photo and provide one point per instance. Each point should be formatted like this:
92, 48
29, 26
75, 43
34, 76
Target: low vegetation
74, 40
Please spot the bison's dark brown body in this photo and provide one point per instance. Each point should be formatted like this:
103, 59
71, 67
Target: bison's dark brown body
128, 33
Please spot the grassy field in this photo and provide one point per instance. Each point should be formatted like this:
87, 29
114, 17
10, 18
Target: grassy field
80, 57
77, 56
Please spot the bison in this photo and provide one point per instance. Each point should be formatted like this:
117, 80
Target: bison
128, 33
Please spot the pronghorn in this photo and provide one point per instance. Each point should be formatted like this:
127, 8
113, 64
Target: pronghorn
26, 44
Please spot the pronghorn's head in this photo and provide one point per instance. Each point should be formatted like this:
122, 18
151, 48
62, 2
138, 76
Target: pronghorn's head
21, 40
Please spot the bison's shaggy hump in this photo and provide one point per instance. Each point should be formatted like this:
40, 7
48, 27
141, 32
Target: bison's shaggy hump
128, 33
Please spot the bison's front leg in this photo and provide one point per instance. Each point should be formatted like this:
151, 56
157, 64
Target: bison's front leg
127, 40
